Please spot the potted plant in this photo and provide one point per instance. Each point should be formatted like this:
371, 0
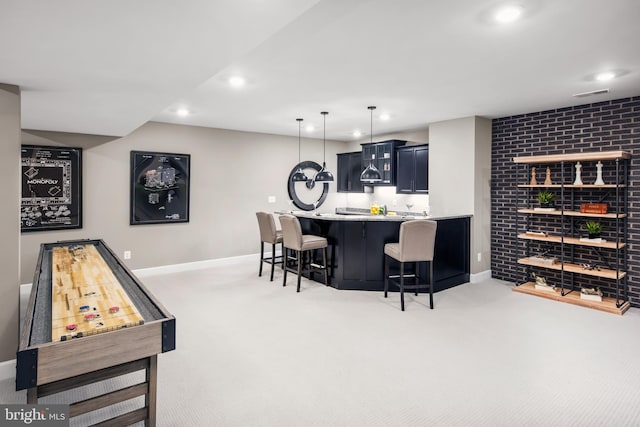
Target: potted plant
594, 228
546, 199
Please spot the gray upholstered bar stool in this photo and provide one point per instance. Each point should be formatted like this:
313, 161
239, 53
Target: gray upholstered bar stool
301, 244
269, 234
417, 242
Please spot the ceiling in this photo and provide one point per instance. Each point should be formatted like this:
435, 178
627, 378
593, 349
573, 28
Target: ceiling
107, 67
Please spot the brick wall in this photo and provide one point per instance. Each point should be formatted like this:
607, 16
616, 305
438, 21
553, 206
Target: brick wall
602, 126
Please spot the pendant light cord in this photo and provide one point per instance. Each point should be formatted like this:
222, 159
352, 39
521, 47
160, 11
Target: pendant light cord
299, 125
371, 108
324, 136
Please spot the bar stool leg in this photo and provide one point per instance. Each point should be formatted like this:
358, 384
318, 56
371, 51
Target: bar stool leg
261, 258
283, 255
415, 277
386, 274
402, 285
324, 260
273, 258
300, 262
431, 284
286, 268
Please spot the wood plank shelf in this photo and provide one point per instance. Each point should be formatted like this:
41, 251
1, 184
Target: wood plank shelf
575, 268
558, 212
571, 241
570, 186
607, 304
574, 157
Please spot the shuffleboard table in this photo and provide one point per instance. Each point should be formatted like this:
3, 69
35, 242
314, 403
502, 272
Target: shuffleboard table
89, 319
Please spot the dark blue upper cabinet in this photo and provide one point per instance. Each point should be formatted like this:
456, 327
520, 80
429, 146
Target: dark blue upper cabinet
383, 156
412, 169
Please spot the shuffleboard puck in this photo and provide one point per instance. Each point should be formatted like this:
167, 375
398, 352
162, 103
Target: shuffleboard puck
114, 309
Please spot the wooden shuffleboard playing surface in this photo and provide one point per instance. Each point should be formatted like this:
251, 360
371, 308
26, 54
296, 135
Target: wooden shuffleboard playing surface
86, 298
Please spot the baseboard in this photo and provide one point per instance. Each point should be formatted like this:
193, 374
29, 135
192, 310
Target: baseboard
8, 369
480, 277
197, 265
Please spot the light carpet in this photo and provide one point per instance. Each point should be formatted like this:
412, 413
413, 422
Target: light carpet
252, 353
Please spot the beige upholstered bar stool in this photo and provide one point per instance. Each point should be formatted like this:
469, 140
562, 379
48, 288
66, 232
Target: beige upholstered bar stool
417, 242
301, 244
269, 234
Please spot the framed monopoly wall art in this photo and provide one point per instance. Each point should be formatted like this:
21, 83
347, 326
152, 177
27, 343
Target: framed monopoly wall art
51, 188
159, 187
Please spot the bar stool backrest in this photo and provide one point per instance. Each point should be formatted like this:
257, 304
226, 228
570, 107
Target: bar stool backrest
417, 240
267, 227
291, 232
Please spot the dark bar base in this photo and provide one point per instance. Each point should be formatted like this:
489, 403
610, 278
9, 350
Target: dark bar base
356, 251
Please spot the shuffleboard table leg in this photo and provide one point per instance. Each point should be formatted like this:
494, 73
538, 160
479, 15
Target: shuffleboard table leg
32, 396
152, 382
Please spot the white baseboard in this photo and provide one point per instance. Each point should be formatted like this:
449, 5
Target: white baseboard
8, 369
197, 265
480, 277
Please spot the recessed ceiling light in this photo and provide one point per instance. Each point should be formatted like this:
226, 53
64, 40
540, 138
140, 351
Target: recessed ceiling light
607, 75
237, 81
357, 134
508, 14
384, 116
182, 112
309, 128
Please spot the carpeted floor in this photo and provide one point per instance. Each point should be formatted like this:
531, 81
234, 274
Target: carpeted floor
252, 353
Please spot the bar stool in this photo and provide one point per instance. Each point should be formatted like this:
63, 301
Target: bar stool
269, 234
417, 242
302, 244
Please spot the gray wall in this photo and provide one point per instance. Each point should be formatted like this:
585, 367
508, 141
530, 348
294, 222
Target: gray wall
232, 175
9, 219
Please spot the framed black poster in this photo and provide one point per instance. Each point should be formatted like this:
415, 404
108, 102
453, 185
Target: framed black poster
159, 187
51, 188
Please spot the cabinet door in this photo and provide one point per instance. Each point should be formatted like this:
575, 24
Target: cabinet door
421, 180
353, 247
404, 168
355, 169
343, 172
385, 161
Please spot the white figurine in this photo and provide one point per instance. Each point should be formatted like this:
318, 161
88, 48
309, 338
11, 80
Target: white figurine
599, 180
578, 180
547, 180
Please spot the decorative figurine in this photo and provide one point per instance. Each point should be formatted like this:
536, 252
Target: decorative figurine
533, 176
578, 180
547, 180
599, 180
541, 283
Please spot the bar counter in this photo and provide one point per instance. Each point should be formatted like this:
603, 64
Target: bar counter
356, 247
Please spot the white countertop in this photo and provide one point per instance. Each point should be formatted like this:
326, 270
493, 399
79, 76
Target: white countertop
363, 217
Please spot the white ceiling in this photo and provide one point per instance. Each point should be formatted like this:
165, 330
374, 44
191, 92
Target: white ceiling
107, 67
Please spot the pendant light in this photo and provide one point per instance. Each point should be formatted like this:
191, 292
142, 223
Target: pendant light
371, 172
324, 175
299, 175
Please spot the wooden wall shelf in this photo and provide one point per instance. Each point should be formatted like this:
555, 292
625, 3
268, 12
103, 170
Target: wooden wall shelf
571, 241
607, 304
558, 212
575, 268
568, 250
574, 157
571, 186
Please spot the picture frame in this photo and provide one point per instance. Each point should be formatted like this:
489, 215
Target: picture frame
159, 187
51, 180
